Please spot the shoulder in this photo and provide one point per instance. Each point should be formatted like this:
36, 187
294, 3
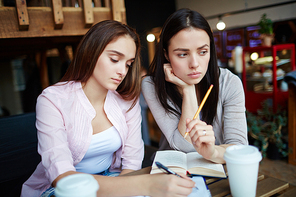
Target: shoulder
230, 85
147, 85
60, 91
147, 81
227, 79
226, 74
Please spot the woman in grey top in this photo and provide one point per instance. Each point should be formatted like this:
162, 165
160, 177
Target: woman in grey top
184, 67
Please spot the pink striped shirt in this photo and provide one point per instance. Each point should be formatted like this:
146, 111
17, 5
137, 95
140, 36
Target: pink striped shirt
63, 121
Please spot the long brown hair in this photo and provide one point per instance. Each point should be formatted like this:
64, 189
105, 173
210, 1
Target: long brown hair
179, 20
91, 47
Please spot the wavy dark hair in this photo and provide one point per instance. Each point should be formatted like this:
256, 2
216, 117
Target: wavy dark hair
179, 20
91, 47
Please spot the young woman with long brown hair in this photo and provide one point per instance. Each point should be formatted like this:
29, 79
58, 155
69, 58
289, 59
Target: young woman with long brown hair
90, 122
184, 67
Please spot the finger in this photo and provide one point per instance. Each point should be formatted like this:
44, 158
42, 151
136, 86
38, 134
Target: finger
184, 191
181, 186
184, 176
205, 132
167, 65
202, 135
169, 74
198, 130
210, 140
186, 182
187, 121
195, 123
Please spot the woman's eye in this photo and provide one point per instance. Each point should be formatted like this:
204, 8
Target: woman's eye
113, 60
182, 55
203, 52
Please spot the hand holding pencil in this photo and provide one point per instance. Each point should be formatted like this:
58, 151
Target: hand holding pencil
201, 105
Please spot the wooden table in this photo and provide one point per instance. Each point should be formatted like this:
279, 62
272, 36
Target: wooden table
266, 186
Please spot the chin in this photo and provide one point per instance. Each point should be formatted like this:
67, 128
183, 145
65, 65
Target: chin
193, 82
113, 88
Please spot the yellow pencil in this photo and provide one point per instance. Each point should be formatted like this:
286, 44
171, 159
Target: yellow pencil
201, 105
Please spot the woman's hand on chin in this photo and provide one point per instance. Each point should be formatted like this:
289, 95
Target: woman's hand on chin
172, 78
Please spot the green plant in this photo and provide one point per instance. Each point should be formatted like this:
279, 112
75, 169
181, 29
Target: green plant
265, 25
266, 126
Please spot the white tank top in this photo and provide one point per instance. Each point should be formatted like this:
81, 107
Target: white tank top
100, 152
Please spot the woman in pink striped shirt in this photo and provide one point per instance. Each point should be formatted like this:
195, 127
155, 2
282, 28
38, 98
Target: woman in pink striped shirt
90, 122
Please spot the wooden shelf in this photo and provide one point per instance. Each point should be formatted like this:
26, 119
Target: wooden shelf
41, 20
42, 23
34, 30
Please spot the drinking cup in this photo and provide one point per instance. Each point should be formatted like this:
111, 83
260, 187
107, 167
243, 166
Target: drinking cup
242, 162
77, 185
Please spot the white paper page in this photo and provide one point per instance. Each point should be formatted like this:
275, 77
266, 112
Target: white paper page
170, 158
202, 190
194, 159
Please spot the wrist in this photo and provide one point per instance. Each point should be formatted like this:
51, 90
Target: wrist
187, 89
214, 155
146, 185
189, 94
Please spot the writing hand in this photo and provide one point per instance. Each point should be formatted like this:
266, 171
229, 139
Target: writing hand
164, 185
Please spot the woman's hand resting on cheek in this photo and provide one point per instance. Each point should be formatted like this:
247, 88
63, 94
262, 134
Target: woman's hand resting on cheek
202, 137
171, 77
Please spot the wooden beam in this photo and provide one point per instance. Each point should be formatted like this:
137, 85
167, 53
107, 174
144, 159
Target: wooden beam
123, 12
22, 13
116, 10
88, 13
42, 24
57, 14
107, 3
97, 3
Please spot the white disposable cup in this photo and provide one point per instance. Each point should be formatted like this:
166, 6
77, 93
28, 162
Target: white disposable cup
77, 185
242, 162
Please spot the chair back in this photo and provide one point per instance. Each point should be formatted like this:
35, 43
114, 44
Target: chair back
18, 152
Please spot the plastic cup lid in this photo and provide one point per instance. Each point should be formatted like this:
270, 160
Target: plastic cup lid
76, 185
243, 154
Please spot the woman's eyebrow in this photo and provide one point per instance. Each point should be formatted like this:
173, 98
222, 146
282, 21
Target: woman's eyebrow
180, 49
119, 54
184, 49
203, 46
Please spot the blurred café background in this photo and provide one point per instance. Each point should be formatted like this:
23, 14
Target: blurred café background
35, 52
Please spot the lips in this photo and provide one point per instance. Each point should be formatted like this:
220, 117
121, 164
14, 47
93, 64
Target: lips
194, 75
116, 80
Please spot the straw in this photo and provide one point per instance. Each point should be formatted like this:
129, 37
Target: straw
201, 105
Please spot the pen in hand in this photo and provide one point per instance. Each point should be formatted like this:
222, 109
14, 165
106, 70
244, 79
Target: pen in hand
167, 170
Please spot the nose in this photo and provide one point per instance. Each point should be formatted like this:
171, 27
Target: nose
122, 70
193, 61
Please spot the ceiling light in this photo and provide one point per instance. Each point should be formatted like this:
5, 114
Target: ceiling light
254, 56
150, 37
220, 25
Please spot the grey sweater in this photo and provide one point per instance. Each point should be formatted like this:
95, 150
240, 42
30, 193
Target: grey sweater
230, 124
